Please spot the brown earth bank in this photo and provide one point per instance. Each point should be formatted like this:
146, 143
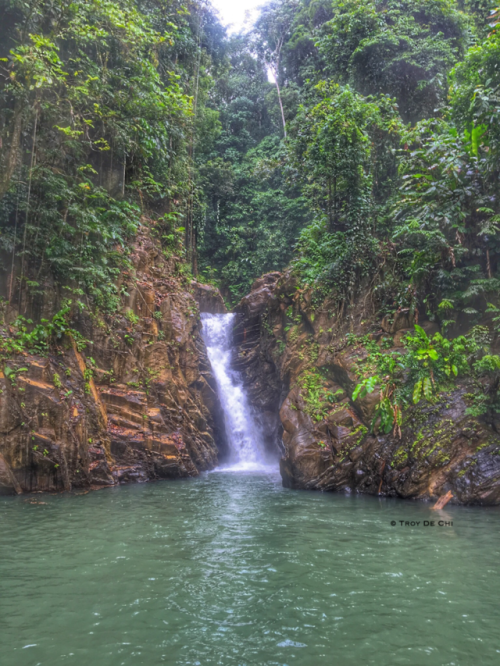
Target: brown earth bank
282, 338
137, 403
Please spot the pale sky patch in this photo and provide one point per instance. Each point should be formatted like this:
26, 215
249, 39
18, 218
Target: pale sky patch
237, 14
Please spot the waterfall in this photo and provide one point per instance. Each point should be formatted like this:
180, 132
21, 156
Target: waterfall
243, 434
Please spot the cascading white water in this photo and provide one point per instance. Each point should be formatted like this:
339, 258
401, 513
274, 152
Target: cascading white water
243, 434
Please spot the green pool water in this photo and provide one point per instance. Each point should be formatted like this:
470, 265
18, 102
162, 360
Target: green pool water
232, 569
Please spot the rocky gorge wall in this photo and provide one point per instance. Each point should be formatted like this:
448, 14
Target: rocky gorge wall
136, 402
289, 349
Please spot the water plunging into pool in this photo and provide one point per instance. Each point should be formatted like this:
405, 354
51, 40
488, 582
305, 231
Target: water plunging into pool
243, 434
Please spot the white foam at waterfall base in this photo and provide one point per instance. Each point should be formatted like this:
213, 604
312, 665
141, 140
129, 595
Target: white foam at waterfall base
243, 434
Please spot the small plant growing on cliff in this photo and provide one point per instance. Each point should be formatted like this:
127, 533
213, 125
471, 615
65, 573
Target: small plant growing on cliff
432, 362
387, 415
428, 365
132, 317
316, 395
56, 380
266, 325
12, 373
366, 386
134, 384
488, 399
150, 376
42, 336
352, 339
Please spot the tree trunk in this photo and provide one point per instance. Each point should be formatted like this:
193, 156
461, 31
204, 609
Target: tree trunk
10, 161
330, 211
280, 103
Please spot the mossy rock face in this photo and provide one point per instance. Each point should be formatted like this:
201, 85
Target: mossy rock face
441, 448
440, 444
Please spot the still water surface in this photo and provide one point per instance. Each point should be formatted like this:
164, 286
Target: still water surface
232, 569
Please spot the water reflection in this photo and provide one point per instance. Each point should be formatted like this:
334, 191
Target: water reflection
233, 569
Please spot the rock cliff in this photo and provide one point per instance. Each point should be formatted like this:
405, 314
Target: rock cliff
131, 398
301, 359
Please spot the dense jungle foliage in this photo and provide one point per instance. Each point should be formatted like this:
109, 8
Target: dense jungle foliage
358, 141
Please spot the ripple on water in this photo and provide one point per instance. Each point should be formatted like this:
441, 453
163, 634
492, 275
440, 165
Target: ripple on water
230, 568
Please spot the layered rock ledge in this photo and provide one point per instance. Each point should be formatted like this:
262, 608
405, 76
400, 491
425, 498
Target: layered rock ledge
137, 403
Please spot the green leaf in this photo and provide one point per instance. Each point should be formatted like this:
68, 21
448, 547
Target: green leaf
417, 392
421, 333
357, 391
